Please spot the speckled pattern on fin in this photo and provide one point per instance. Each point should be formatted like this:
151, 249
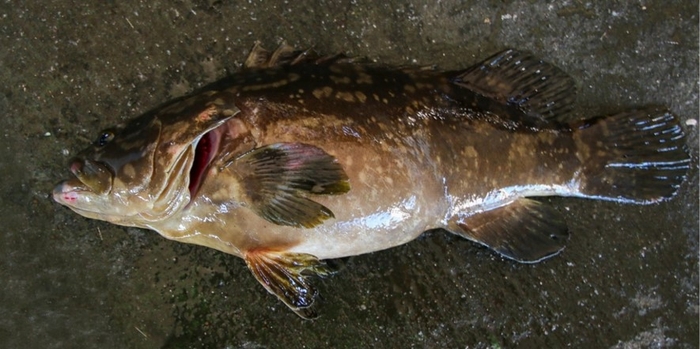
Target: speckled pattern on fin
276, 178
543, 92
525, 230
286, 275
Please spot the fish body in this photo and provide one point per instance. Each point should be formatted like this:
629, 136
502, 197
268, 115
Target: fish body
300, 158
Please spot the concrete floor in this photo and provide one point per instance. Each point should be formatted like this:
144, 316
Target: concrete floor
629, 277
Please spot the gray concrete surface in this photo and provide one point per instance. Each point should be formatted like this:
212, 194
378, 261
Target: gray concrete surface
628, 279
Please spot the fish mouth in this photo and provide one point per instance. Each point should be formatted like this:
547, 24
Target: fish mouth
205, 150
68, 192
89, 176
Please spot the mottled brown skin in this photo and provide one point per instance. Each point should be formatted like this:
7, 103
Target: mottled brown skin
416, 160
395, 152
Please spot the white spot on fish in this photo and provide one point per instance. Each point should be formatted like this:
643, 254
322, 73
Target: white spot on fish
129, 170
363, 177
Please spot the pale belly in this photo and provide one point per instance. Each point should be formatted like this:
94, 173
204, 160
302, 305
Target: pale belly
392, 200
359, 228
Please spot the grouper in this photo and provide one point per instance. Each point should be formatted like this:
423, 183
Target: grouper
300, 158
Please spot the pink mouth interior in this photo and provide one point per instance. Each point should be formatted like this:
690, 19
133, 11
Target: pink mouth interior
207, 148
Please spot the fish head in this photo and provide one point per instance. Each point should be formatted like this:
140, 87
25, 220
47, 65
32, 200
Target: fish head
139, 173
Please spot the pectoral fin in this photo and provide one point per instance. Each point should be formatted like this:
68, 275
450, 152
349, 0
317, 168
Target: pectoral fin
525, 230
277, 178
286, 275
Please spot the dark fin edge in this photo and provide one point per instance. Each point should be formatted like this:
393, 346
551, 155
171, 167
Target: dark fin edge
543, 92
524, 230
286, 275
638, 156
277, 177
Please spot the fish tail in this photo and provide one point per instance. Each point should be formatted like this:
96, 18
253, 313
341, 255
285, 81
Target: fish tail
637, 156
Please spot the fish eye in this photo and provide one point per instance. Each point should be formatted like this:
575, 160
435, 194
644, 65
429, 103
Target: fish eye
104, 138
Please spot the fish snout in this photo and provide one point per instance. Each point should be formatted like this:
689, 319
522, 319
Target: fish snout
66, 193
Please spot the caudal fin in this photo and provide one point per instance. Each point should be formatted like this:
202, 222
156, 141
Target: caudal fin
637, 156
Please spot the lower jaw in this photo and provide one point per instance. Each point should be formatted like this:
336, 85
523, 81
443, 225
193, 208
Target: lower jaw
67, 192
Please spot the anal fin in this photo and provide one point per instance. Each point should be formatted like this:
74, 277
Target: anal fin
524, 230
286, 275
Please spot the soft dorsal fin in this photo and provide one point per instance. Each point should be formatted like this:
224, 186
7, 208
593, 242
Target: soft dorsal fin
543, 92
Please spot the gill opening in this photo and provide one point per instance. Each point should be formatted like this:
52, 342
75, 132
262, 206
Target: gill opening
204, 153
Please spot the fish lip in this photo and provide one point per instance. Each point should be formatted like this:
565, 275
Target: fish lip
67, 191
94, 176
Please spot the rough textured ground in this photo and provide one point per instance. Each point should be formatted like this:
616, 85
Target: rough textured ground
628, 279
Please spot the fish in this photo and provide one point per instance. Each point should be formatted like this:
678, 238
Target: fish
299, 159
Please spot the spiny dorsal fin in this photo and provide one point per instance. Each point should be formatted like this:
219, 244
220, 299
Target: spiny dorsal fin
262, 58
257, 57
276, 179
524, 230
286, 55
338, 58
286, 275
543, 92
